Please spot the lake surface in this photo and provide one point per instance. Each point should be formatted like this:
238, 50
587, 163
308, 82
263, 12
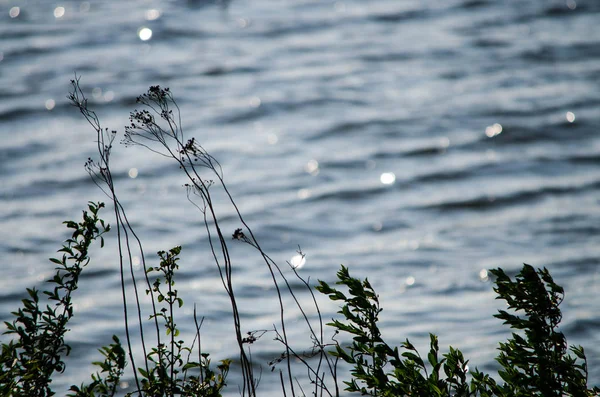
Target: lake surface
416, 142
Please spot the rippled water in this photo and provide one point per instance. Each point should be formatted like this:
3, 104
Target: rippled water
419, 143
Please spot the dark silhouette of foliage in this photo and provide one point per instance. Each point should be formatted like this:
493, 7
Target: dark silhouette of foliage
113, 365
535, 361
535, 365
379, 369
36, 351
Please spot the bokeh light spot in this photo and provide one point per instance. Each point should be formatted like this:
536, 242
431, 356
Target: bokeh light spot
152, 14
145, 34
570, 117
298, 261
135, 262
14, 12
59, 12
109, 96
304, 194
243, 23
483, 275
50, 104
312, 167
387, 178
493, 130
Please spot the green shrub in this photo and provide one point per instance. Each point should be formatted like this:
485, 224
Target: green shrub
38, 346
536, 364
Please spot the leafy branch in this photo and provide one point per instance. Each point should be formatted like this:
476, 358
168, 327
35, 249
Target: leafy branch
38, 346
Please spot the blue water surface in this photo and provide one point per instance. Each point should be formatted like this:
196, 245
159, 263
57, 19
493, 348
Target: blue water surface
419, 143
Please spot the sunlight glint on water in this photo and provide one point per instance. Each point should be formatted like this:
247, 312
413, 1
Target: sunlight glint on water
395, 138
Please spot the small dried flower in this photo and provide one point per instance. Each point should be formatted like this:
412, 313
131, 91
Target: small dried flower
239, 235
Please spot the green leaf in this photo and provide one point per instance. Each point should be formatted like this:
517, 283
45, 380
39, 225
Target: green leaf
414, 357
143, 372
191, 364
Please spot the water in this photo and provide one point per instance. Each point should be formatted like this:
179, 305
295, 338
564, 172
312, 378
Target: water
480, 117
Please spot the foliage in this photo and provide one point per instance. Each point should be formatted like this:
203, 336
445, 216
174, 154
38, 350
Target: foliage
113, 364
534, 362
163, 378
38, 346
538, 362
167, 368
535, 365
379, 369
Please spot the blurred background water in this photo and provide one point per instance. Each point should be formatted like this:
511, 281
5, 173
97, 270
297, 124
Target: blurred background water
417, 142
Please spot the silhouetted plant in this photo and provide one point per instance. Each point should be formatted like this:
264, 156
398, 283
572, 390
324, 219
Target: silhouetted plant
164, 371
534, 362
38, 347
379, 369
168, 375
113, 366
100, 172
537, 365
157, 127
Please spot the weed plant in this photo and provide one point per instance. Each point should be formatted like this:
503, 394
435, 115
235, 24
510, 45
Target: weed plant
38, 346
535, 361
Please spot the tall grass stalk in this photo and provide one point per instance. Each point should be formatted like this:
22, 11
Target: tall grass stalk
157, 127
